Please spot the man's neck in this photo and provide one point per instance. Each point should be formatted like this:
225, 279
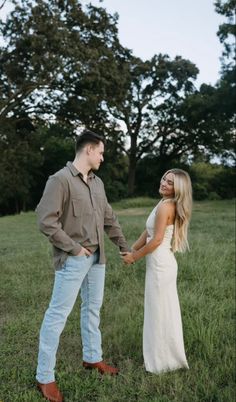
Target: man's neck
81, 166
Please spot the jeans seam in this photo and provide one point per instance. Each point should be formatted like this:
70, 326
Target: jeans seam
88, 307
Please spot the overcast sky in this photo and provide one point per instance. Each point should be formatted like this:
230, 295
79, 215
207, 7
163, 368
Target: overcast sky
175, 27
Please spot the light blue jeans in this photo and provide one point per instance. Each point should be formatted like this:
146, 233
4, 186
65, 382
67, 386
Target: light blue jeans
78, 273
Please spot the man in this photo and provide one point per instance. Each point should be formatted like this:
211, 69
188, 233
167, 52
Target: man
73, 213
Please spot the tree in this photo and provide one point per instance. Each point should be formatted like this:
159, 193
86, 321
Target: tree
19, 165
212, 181
50, 47
148, 101
57, 64
226, 89
210, 112
114, 170
208, 115
227, 31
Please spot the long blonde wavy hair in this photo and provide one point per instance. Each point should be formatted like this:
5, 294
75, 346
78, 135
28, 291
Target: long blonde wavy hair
183, 202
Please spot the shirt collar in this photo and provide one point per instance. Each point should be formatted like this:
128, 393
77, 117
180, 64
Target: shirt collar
75, 172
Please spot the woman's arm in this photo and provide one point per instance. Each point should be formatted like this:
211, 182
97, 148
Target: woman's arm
164, 213
140, 242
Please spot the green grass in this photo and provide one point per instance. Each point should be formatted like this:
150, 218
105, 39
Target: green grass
138, 202
206, 290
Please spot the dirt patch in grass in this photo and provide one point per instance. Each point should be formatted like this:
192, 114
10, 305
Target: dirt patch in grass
132, 211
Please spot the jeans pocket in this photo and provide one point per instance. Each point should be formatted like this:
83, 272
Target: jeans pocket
73, 262
78, 256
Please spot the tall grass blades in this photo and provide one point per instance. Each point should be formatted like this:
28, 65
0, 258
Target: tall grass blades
206, 286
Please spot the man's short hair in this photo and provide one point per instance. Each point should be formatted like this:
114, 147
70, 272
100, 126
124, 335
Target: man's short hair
87, 137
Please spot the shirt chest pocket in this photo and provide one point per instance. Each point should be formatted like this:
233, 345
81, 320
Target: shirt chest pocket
81, 206
99, 202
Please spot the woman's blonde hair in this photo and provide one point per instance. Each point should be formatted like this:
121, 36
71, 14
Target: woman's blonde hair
183, 202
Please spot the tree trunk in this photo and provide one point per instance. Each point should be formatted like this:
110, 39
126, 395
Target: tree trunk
132, 165
131, 175
17, 208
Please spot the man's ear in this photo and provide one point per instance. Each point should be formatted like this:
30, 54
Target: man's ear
88, 149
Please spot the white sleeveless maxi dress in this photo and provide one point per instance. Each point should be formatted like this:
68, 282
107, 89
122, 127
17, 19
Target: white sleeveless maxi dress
163, 345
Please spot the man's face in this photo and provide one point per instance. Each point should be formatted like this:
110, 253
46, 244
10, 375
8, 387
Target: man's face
95, 153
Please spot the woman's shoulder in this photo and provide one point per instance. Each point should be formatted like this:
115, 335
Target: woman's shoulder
167, 206
168, 203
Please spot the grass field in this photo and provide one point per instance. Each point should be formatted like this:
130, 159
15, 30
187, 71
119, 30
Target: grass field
207, 295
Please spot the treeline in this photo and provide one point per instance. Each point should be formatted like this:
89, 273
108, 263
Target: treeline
62, 68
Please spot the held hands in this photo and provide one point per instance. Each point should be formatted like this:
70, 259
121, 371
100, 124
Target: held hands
127, 257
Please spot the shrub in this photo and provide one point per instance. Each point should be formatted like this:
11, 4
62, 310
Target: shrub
200, 191
213, 196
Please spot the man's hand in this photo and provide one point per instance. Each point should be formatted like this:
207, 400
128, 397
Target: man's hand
84, 251
128, 258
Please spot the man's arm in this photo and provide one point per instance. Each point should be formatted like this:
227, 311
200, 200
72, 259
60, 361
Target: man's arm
113, 229
49, 211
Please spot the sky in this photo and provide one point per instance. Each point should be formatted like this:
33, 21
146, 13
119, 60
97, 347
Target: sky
174, 27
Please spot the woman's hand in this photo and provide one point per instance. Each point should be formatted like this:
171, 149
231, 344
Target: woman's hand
128, 258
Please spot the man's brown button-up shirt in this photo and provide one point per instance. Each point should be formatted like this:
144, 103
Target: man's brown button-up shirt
74, 214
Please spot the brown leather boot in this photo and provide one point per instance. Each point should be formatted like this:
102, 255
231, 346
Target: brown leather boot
50, 392
102, 367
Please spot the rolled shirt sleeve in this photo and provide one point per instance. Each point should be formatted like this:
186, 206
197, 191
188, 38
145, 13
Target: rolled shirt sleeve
49, 212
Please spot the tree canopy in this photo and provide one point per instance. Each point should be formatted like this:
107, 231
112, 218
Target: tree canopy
63, 67
56, 53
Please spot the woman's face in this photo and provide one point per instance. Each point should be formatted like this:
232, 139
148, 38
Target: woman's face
166, 189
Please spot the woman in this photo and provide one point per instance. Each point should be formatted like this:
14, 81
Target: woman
166, 232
